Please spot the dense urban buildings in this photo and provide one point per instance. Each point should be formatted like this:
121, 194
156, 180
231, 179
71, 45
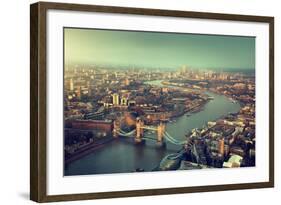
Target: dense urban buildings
139, 101
135, 104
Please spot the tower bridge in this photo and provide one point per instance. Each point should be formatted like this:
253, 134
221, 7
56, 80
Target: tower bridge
162, 135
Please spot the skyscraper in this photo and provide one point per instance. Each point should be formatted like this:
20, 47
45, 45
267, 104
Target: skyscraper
71, 85
79, 92
221, 147
115, 99
124, 101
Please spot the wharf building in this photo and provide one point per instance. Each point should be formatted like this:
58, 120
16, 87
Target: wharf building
105, 126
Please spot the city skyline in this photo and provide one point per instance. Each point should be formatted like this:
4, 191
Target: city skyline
116, 121
147, 101
154, 49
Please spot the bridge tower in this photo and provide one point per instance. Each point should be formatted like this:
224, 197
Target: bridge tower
160, 133
139, 130
116, 128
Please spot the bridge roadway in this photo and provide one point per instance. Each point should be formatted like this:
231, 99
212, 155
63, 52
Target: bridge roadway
167, 136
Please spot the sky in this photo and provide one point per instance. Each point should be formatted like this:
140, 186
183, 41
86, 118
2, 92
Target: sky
154, 49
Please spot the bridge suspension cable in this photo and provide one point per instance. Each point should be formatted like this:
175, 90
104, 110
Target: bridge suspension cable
167, 136
126, 134
173, 140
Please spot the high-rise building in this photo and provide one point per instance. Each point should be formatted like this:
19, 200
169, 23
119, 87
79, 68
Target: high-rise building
115, 99
124, 101
79, 92
71, 84
221, 147
183, 69
89, 88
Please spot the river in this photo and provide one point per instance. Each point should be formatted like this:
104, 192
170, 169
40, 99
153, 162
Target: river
123, 156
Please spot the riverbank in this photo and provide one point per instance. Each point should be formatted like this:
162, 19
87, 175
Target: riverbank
121, 157
87, 150
197, 107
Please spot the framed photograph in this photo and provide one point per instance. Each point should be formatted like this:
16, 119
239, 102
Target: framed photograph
134, 102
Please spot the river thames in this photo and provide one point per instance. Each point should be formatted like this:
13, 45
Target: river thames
122, 155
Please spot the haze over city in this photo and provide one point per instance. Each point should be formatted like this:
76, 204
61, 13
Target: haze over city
161, 50
147, 101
